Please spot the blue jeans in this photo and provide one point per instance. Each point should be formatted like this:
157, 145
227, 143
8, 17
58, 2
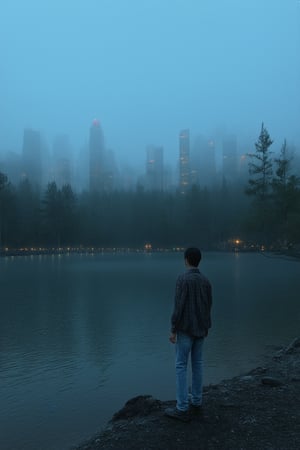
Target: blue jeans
187, 345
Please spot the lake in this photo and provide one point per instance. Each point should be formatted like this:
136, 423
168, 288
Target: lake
81, 334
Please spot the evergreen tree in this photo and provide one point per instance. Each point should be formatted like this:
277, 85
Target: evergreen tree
51, 210
260, 167
6, 208
68, 203
260, 181
27, 228
286, 195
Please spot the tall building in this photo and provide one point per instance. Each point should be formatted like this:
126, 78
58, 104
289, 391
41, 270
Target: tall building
203, 162
230, 158
62, 161
32, 157
243, 167
111, 172
97, 157
11, 165
155, 168
184, 161
81, 169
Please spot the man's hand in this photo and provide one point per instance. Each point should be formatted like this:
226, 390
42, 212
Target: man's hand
172, 338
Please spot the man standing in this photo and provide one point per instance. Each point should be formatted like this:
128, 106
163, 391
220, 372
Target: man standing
191, 321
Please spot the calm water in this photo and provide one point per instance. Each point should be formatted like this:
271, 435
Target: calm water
80, 335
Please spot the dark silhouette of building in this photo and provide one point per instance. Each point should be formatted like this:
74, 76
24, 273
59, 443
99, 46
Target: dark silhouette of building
97, 157
62, 161
203, 162
111, 176
11, 165
230, 158
184, 161
32, 157
155, 168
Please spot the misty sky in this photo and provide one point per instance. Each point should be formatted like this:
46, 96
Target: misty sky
148, 68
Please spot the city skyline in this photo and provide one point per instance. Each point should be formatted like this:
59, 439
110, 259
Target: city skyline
200, 160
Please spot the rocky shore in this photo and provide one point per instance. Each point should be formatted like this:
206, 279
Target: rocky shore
259, 410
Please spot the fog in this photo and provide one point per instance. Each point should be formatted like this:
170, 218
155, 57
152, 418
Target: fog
148, 69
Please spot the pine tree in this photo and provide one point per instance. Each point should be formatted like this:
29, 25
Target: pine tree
260, 167
260, 181
286, 194
3, 187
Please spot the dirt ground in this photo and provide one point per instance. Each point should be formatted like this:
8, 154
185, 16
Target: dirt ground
259, 410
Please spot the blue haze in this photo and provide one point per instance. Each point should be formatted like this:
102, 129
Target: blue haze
148, 68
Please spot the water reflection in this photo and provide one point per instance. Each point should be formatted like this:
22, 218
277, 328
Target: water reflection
79, 335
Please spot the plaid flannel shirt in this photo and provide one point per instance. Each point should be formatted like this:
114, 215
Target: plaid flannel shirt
193, 301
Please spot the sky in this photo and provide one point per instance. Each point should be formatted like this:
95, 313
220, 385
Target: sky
147, 69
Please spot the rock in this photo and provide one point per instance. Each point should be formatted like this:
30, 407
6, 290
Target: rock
278, 355
141, 405
247, 378
293, 345
271, 381
296, 379
258, 371
228, 405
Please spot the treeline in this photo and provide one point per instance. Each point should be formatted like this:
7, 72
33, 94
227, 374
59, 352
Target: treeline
267, 211
59, 217
274, 189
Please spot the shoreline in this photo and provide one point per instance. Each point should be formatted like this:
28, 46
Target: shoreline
257, 410
7, 252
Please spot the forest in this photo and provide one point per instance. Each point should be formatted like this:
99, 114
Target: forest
265, 211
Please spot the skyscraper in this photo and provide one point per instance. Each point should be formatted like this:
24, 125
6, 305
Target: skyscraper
154, 168
11, 165
111, 172
230, 159
184, 161
62, 160
32, 157
97, 157
203, 162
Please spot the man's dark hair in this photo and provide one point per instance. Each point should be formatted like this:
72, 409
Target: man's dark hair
193, 256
